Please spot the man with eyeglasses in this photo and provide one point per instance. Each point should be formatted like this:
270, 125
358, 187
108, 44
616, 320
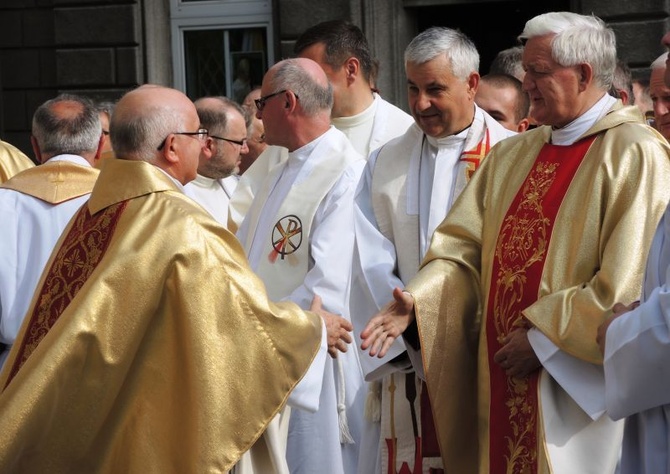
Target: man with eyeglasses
150, 345
342, 51
220, 158
298, 235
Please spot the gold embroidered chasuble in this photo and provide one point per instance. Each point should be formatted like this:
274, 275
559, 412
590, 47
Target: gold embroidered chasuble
600, 238
54, 182
12, 161
168, 358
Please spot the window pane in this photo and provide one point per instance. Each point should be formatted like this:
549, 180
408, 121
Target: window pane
204, 58
248, 49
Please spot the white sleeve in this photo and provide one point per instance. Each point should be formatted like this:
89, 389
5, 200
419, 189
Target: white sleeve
637, 356
373, 275
307, 392
583, 381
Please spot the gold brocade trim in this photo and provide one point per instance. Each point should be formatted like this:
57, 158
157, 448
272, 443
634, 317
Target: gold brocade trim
523, 243
80, 253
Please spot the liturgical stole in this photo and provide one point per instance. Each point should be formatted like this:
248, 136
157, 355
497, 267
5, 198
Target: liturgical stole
520, 254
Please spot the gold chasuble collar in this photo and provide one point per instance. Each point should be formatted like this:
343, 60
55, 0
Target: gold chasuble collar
54, 182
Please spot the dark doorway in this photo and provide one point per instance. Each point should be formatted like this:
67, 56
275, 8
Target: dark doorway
492, 25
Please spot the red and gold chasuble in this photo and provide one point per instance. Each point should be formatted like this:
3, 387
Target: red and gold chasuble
520, 254
81, 252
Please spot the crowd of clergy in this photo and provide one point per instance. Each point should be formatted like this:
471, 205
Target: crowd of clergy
315, 281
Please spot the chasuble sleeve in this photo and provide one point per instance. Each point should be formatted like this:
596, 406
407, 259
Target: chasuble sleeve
169, 358
601, 238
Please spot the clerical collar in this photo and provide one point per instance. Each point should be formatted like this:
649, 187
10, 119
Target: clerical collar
174, 180
355, 120
450, 141
571, 132
302, 153
79, 160
204, 181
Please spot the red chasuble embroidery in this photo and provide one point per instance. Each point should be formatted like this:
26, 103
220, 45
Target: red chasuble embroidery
520, 255
78, 256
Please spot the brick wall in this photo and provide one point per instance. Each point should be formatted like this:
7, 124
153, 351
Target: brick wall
91, 47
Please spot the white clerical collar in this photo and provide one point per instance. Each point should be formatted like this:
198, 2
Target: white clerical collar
177, 183
355, 120
302, 153
452, 141
76, 159
571, 132
204, 181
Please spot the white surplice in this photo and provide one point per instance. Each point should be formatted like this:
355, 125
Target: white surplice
637, 366
432, 173
213, 194
375, 126
314, 438
29, 231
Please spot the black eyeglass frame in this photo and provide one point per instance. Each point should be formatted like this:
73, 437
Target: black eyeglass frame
201, 131
236, 142
260, 102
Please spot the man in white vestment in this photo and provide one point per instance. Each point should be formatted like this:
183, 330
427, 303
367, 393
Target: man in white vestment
342, 51
298, 235
636, 347
407, 189
219, 160
36, 204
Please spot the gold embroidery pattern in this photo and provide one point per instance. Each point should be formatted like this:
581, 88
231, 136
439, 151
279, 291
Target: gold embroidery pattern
78, 256
522, 243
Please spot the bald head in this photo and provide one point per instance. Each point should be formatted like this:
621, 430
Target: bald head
157, 124
68, 124
297, 100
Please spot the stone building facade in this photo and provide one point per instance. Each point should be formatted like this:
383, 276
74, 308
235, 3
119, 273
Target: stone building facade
102, 48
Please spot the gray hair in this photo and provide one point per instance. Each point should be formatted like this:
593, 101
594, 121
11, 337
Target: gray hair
215, 119
579, 39
457, 48
314, 98
141, 133
75, 133
659, 62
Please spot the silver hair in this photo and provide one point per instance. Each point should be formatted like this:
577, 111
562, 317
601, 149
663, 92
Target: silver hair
142, 133
459, 50
659, 62
73, 134
579, 39
314, 98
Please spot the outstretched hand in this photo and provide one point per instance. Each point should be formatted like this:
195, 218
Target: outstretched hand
338, 329
387, 325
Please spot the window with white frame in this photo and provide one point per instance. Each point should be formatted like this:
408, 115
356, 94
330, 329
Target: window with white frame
221, 47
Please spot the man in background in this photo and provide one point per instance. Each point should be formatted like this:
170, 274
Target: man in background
37, 203
503, 97
220, 158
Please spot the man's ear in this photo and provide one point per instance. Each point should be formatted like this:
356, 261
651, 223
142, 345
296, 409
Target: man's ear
352, 67
473, 84
36, 148
585, 72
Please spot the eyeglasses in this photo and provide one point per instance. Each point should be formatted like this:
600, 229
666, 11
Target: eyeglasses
200, 134
260, 102
236, 142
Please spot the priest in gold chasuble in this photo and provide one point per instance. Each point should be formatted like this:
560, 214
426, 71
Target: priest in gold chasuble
551, 231
12, 161
150, 346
